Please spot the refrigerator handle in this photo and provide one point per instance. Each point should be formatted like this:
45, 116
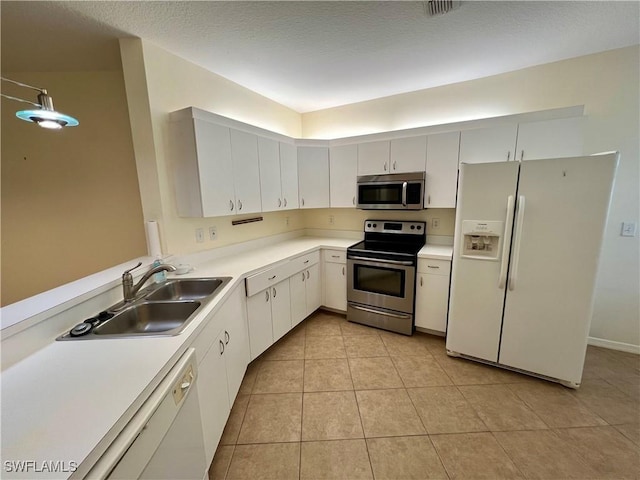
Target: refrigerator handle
506, 242
518, 238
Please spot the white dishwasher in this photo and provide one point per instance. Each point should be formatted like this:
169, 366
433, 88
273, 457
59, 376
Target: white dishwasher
164, 439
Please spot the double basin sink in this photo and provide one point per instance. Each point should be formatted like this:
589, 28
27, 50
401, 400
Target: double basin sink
164, 309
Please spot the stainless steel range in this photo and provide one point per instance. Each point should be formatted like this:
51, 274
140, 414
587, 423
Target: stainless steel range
381, 275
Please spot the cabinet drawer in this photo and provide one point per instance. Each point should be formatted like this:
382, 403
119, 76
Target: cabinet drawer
335, 256
435, 267
267, 278
304, 261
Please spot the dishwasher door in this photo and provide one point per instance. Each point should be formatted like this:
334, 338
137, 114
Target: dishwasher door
164, 439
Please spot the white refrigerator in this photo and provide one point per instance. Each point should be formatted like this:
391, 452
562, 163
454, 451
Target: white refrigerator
525, 259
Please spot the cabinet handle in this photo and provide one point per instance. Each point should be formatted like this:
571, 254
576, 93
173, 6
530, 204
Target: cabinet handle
227, 337
508, 155
306, 261
221, 347
307, 274
343, 271
239, 205
395, 164
354, 200
274, 293
433, 266
335, 256
231, 205
303, 202
303, 276
428, 199
420, 281
285, 202
271, 278
385, 166
279, 203
267, 295
522, 155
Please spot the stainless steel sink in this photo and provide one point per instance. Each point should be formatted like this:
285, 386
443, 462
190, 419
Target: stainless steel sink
150, 318
163, 310
187, 289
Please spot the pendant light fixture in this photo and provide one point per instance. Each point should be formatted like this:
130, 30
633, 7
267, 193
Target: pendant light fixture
45, 115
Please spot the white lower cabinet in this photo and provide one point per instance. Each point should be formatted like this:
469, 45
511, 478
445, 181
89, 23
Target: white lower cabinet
222, 351
335, 280
306, 293
432, 294
260, 326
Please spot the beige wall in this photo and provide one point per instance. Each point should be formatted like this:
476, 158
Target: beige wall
70, 198
606, 83
159, 83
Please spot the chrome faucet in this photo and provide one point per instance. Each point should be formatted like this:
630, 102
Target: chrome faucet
130, 290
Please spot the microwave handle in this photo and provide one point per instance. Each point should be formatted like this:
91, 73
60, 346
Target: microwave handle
404, 194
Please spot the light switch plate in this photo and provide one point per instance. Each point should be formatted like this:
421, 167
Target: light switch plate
628, 229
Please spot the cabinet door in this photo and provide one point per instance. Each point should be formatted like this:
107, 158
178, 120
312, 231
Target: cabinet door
373, 158
313, 288
550, 139
215, 169
487, 145
270, 187
289, 175
313, 177
343, 174
280, 309
236, 338
335, 285
213, 396
408, 154
246, 171
432, 294
259, 319
297, 287
442, 170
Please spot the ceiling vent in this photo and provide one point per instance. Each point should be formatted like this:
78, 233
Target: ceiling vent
440, 7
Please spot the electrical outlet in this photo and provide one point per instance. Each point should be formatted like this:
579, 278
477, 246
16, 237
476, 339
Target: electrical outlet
331, 219
628, 229
199, 235
213, 233
435, 223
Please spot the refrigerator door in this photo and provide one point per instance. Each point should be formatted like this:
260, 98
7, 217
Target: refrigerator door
560, 219
477, 292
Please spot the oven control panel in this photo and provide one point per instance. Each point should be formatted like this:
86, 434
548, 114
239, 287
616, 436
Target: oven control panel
391, 226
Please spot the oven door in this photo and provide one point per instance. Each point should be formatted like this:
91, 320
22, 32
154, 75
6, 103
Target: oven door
388, 284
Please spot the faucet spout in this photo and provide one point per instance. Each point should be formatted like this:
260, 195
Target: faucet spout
130, 290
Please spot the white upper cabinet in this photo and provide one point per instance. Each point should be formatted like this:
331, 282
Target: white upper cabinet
408, 154
343, 175
246, 171
289, 175
550, 139
270, 184
313, 177
442, 170
373, 158
203, 168
487, 145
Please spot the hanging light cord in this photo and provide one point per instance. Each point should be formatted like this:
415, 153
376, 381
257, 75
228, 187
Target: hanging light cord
24, 85
19, 99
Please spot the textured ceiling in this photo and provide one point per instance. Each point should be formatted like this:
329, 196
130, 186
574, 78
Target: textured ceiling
314, 55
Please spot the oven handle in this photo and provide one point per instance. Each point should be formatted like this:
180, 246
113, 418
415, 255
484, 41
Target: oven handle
404, 194
379, 260
378, 312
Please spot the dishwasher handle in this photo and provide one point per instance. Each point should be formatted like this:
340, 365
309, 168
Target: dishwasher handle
183, 372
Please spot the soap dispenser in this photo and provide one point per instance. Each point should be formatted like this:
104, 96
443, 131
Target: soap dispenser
160, 276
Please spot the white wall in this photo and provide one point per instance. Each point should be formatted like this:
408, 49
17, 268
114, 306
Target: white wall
159, 83
606, 83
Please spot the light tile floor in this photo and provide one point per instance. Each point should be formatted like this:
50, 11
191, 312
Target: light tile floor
336, 400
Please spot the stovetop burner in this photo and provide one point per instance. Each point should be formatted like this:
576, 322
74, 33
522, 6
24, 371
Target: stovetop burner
391, 239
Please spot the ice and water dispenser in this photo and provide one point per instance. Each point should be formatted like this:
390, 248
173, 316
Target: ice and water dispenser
482, 239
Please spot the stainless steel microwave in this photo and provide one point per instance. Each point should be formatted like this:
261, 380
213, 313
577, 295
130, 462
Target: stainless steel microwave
396, 191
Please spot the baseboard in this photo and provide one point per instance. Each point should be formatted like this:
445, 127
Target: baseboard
623, 347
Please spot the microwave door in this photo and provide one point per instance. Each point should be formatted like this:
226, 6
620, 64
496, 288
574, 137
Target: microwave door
382, 195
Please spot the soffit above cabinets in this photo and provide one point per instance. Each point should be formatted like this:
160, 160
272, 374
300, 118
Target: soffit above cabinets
314, 55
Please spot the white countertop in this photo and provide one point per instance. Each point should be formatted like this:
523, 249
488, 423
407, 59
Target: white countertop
436, 252
69, 400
